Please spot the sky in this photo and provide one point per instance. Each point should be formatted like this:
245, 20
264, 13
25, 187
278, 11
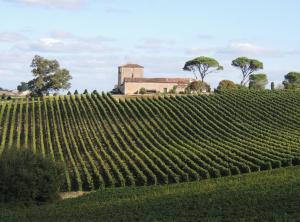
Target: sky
91, 38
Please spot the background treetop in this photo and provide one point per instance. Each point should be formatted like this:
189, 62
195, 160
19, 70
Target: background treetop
23, 87
203, 65
247, 66
43, 67
226, 84
197, 87
292, 80
48, 76
258, 81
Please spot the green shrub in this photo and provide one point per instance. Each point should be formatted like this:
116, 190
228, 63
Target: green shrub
142, 91
198, 87
226, 84
27, 178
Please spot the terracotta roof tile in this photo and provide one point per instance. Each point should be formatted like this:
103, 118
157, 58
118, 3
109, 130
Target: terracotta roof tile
131, 66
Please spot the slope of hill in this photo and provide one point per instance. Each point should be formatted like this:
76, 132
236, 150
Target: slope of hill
262, 196
105, 143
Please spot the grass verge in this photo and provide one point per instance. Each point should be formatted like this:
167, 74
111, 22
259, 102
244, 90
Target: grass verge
263, 196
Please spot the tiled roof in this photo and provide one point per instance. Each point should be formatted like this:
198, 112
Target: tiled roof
131, 66
159, 80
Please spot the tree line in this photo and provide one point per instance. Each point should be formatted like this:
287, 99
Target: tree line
202, 66
50, 77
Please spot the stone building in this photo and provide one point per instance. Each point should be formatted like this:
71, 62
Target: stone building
15, 93
129, 71
131, 79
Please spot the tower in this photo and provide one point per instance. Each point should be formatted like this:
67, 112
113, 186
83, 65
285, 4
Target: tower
129, 71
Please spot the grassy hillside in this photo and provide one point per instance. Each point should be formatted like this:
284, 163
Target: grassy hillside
263, 196
105, 143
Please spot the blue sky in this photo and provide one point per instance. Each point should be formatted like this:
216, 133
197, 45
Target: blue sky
92, 37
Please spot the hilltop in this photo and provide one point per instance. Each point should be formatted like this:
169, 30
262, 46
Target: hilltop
138, 142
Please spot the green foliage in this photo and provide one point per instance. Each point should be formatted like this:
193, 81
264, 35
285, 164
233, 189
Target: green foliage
85, 91
229, 199
3, 96
149, 141
272, 86
142, 91
258, 81
173, 90
247, 66
76, 92
23, 87
203, 65
27, 178
48, 76
292, 80
197, 87
226, 84
242, 87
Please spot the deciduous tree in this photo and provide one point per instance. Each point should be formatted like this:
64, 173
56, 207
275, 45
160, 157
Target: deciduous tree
23, 87
48, 76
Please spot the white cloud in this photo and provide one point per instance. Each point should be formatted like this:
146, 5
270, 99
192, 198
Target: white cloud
68, 43
248, 49
49, 41
11, 37
65, 4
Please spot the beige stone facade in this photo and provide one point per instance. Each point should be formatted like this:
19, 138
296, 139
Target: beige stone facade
131, 80
129, 71
156, 85
14, 93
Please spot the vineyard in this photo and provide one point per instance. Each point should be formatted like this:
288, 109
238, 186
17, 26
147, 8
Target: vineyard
138, 142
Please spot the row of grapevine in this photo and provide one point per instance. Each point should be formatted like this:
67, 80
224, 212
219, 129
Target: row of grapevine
103, 142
